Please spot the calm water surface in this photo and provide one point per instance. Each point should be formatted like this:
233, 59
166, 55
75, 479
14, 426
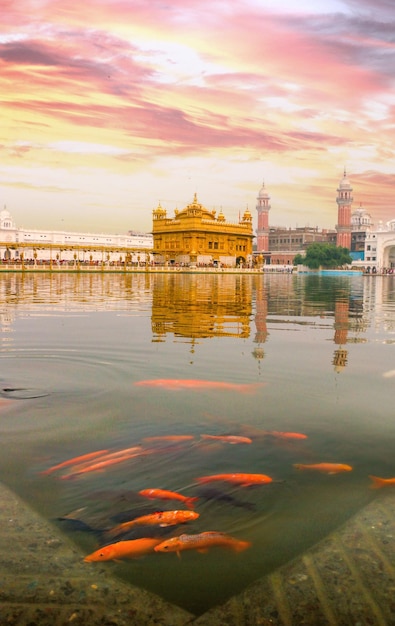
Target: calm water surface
321, 348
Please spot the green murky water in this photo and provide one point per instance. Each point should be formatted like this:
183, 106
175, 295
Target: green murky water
307, 354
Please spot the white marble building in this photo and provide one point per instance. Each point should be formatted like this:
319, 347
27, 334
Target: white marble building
380, 247
65, 246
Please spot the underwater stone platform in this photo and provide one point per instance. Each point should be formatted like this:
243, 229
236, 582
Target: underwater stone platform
348, 579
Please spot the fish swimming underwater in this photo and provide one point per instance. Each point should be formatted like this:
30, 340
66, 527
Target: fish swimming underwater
92, 458
201, 542
208, 493
160, 518
243, 480
232, 439
174, 384
285, 435
177, 438
130, 549
100, 464
164, 494
251, 431
325, 468
381, 482
75, 460
76, 525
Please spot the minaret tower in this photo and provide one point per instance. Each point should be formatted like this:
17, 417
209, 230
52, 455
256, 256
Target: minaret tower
344, 200
263, 208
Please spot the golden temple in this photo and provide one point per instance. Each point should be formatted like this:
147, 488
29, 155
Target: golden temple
197, 236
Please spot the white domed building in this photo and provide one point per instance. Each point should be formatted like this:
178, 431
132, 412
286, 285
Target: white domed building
361, 224
39, 246
380, 248
361, 220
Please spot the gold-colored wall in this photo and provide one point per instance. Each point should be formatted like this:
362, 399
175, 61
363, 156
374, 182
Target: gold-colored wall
196, 231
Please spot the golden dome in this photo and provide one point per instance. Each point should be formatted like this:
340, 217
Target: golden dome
247, 217
159, 212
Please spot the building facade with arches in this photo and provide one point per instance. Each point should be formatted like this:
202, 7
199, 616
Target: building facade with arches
380, 248
39, 246
197, 236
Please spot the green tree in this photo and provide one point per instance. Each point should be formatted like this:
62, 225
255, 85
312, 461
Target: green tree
325, 255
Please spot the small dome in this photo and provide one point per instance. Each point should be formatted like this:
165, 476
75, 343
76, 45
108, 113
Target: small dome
345, 183
360, 217
6, 221
262, 192
159, 211
247, 217
4, 214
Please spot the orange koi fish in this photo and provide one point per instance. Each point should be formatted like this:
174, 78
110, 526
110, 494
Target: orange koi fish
163, 494
251, 431
74, 461
381, 482
100, 465
130, 549
233, 439
325, 468
114, 455
161, 518
169, 438
174, 384
201, 542
243, 480
285, 435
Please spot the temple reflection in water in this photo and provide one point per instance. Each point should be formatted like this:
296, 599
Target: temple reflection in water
200, 306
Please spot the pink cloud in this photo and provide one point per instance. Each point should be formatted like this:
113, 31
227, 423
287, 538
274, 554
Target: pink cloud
264, 85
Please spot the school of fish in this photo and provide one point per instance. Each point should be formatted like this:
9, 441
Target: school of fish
104, 459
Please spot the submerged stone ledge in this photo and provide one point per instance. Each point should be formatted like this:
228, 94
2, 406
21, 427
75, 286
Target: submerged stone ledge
348, 578
44, 581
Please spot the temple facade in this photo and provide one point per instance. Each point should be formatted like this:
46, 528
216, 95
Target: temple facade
196, 236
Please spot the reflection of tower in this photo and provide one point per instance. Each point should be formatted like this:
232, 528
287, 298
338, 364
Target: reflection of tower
344, 201
260, 320
341, 331
263, 208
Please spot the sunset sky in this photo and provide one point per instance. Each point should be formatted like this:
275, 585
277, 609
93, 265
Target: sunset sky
109, 107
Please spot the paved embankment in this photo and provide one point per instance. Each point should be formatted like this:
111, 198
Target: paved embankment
346, 580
